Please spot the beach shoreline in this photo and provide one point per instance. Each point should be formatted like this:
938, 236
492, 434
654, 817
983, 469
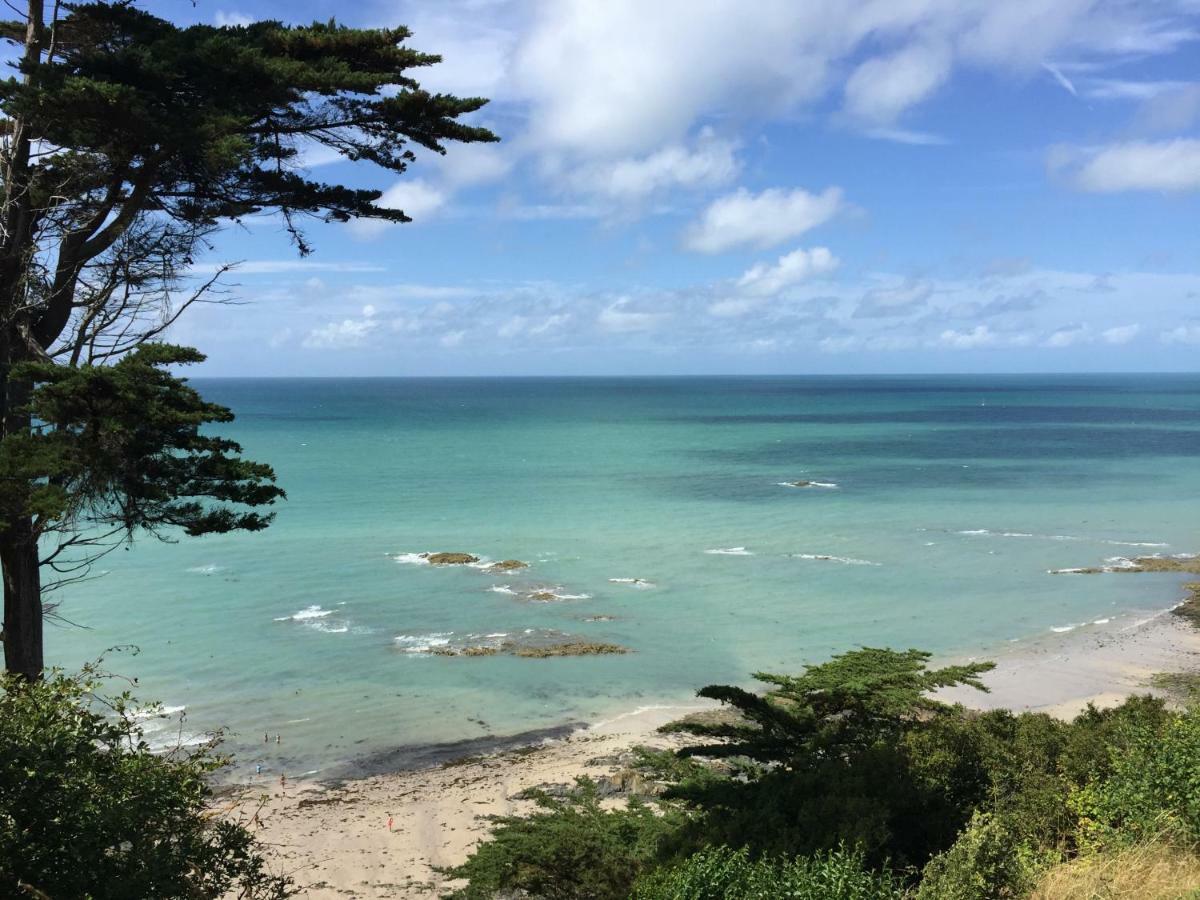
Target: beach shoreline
332, 834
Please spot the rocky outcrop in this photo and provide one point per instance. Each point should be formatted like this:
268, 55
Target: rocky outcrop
508, 565
450, 559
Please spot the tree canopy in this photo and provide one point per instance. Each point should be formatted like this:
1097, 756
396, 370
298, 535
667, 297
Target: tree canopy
126, 141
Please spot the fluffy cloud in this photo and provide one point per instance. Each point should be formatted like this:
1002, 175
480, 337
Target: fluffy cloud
1182, 334
882, 88
1142, 166
711, 162
792, 268
616, 318
628, 77
1120, 334
761, 220
415, 197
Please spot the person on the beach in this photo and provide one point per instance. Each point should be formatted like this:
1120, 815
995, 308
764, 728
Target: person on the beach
389, 821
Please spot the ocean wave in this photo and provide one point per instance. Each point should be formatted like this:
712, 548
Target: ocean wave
844, 560
553, 595
422, 643
802, 485
985, 532
306, 614
639, 583
729, 551
211, 569
1063, 629
411, 559
330, 628
502, 589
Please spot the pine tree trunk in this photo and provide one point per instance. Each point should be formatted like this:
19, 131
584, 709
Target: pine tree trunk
22, 600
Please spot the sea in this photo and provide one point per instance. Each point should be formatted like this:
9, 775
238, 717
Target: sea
658, 514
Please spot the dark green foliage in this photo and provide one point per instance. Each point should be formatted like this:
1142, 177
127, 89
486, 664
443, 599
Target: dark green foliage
571, 849
87, 810
724, 874
122, 446
854, 754
989, 861
821, 762
206, 123
1151, 788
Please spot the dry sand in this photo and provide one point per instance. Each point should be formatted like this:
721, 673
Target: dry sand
334, 838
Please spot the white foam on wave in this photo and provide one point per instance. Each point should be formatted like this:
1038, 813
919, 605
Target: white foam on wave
422, 643
411, 559
553, 595
828, 485
729, 551
330, 628
502, 589
639, 583
986, 532
306, 614
211, 569
156, 711
1063, 629
1101, 621
844, 560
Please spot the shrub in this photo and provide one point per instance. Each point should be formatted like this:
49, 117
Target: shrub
724, 874
571, 849
987, 861
1153, 786
88, 810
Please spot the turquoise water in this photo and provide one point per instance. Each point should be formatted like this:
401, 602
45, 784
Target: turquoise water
953, 497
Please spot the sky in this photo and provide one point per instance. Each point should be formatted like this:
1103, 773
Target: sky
752, 186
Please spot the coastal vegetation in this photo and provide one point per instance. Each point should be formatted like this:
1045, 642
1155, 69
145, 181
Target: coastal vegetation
852, 780
129, 142
89, 809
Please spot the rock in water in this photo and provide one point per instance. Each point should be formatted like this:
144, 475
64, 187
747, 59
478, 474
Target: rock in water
451, 559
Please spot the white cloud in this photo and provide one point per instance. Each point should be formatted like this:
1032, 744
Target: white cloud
225, 19
894, 299
1142, 166
340, 335
792, 268
1182, 334
617, 319
709, 163
1120, 334
469, 164
979, 336
612, 79
761, 220
452, 339
882, 88
1068, 336
416, 198
284, 266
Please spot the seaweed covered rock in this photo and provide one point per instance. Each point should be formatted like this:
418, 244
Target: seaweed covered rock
508, 565
566, 648
450, 559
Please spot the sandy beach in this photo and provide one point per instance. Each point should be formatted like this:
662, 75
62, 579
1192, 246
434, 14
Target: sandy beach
333, 837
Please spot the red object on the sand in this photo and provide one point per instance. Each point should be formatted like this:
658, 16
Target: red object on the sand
389, 823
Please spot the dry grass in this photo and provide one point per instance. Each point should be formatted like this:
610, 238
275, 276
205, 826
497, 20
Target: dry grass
1151, 872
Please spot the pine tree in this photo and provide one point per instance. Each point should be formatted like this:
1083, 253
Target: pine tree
127, 141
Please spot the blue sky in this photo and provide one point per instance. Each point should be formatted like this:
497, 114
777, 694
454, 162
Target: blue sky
716, 186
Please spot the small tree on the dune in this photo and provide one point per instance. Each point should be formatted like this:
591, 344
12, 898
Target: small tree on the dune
126, 141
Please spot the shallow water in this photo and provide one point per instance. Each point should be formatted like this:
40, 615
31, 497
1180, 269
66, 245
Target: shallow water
953, 498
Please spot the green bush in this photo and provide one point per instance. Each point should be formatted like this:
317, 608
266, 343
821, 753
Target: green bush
87, 810
724, 874
988, 861
1152, 787
571, 849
